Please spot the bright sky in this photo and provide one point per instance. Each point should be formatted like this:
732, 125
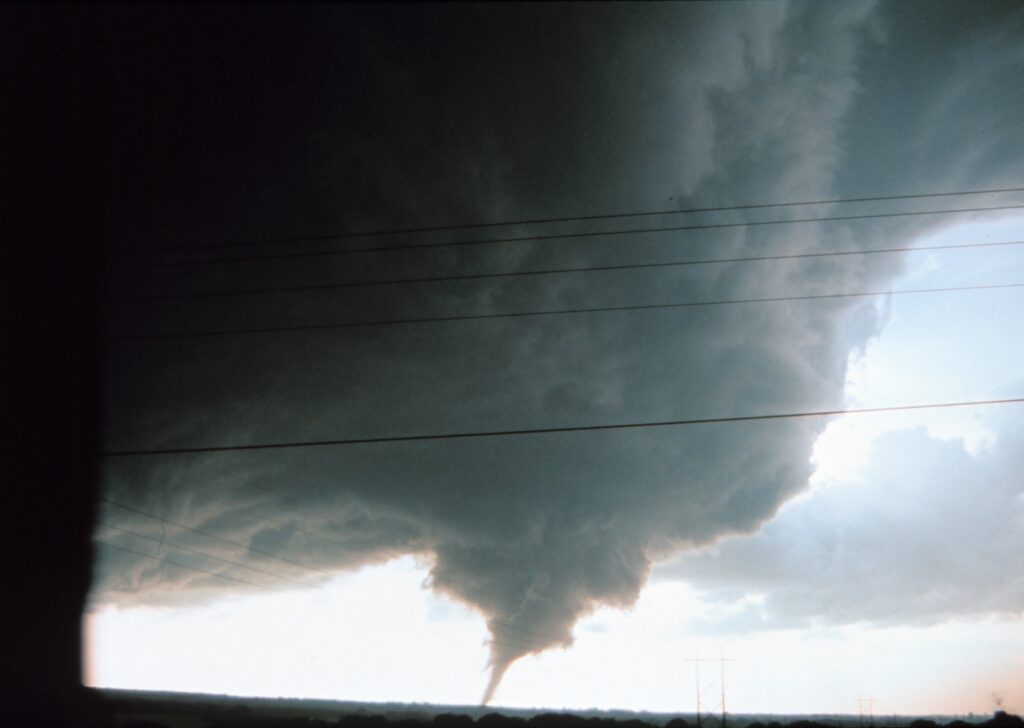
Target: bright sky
413, 646
960, 346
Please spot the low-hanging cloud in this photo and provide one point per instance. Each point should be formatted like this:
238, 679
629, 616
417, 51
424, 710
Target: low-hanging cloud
616, 110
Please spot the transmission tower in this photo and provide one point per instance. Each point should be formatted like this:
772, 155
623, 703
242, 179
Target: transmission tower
869, 711
699, 685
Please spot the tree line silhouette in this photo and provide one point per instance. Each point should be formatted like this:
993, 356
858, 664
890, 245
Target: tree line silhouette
241, 716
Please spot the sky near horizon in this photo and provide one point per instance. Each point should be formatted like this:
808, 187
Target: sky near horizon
865, 556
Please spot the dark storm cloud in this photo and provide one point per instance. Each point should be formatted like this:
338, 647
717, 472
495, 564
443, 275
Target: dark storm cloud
926, 533
350, 118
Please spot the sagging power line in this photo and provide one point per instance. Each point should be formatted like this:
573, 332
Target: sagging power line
549, 237
543, 272
552, 220
545, 430
554, 312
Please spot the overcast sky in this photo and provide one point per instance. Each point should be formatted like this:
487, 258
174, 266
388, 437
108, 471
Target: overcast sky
280, 121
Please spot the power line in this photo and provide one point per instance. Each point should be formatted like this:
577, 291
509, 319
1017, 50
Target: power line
577, 218
207, 555
555, 312
178, 563
215, 536
545, 430
552, 236
542, 272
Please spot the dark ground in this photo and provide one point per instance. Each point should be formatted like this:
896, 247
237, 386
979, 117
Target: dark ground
181, 710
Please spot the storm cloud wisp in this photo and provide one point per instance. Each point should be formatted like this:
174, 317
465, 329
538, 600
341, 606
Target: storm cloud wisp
684, 106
